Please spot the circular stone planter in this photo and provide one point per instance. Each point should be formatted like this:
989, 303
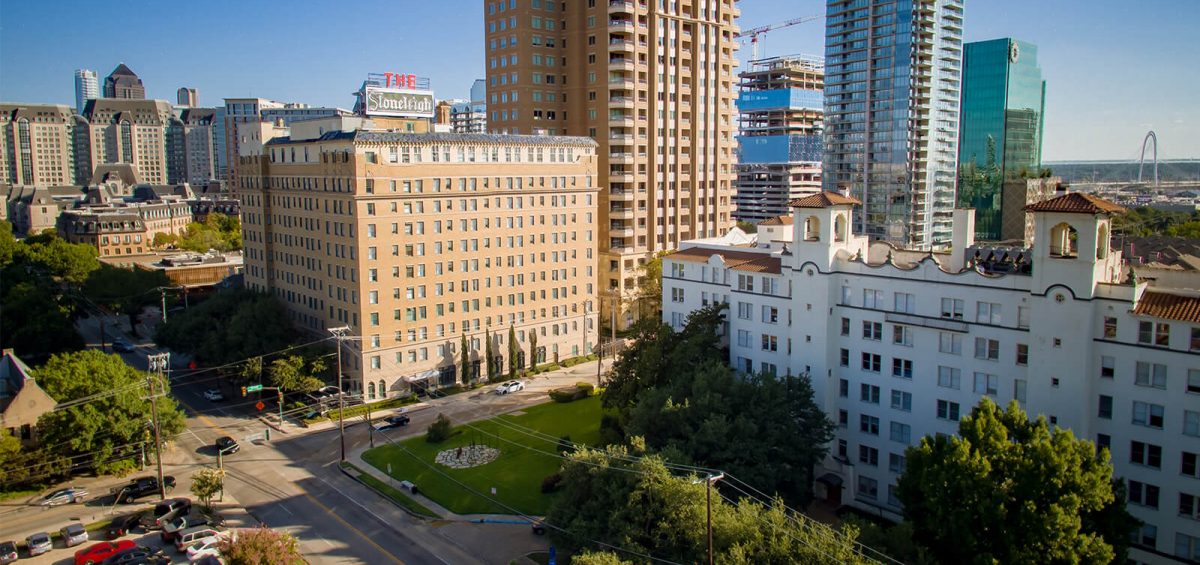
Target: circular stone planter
467, 456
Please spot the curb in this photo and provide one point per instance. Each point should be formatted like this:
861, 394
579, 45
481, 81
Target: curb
384, 496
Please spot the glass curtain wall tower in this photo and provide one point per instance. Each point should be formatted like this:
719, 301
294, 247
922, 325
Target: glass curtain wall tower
1001, 135
892, 79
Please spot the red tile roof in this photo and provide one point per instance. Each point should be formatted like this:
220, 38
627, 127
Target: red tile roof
1076, 203
777, 221
739, 260
1169, 306
823, 200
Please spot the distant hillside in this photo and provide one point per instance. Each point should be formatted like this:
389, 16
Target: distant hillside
1110, 171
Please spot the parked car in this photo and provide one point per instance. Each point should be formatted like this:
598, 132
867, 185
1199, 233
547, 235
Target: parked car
227, 445
122, 346
139, 487
38, 543
8, 552
98, 552
213, 395
510, 386
123, 525
190, 520
209, 546
190, 536
138, 556
70, 495
73, 534
167, 510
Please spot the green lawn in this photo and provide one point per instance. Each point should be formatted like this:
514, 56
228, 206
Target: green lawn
516, 474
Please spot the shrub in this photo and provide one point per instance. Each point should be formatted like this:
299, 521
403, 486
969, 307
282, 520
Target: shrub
551, 482
565, 445
440, 430
586, 388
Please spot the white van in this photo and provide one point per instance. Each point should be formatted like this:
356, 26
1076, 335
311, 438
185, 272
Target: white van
193, 535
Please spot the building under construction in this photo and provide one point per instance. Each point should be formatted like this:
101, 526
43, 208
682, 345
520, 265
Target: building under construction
779, 143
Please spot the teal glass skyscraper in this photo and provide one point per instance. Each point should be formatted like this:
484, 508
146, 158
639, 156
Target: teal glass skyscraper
1000, 138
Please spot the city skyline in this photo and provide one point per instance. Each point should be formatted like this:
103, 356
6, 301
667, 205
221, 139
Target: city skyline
1112, 74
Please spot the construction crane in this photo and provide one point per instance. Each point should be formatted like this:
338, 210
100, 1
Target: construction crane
754, 32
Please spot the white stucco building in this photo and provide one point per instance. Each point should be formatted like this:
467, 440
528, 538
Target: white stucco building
900, 344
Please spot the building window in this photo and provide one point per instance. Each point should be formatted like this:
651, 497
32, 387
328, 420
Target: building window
906, 303
843, 419
745, 310
950, 343
902, 368
869, 393
770, 343
1108, 366
1022, 354
1106, 407
1193, 383
1155, 333
1189, 465
949, 377
873, 299
1151, 375
1143, 494
1149, 415
1022, 317
844, 357
1187, 547
846, 326
868, 455
868, 488
1191, 423
843, 388
947, 410
743, 338
1110, 327
770, 315
841, 449
1194, 344
872, 362
901, 433
1103, 441
1019, 387
986, 384
901, 400
987, 349
896, 463
1147, 536
868, 424
952, 308
872, 330
1146, 454
987, 313
902, 335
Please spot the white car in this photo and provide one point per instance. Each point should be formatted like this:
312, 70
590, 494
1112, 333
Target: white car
73, 534
214, 395
209, 546
510, 386
39, 543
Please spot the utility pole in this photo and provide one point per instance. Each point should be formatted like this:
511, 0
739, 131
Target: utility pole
340, 333
158, 364
709, 479
163, 290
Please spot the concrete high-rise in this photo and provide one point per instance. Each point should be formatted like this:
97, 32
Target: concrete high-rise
419, 241
779, 137
87, 87
187, 97
37, 143
130, 131
653, 84
892, 80
124, 83
1000, 138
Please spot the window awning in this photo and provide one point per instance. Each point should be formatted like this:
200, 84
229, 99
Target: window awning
422, 376
830, 479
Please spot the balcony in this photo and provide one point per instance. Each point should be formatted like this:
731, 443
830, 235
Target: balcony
620, 176
621, 195
620, 25
619, 7
620, 121
620, 46
621, 213
617, 230
618, 137
620, 83
620, 158
620, 64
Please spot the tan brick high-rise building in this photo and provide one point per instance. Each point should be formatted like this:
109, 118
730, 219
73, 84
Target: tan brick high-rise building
130, 131
37, 144
653, 83
413, 240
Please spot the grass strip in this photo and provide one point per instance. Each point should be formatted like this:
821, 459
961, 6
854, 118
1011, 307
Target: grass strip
391, 492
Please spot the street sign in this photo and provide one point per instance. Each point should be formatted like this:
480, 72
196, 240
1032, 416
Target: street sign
260, 405
254, 388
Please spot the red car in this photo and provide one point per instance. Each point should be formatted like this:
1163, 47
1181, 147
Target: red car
96, 553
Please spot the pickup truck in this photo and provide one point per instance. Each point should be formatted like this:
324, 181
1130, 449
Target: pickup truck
143, 486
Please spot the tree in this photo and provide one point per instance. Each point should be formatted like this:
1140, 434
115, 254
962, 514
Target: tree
231, 326
489, 354
36, 322
440, 430
261, 546
513, 348
748, 227
126, 290
1010, 490
217, 231
634, 501
294, 374
206, 483
533, 349
465, 360
649, 297
107, 431
49, 254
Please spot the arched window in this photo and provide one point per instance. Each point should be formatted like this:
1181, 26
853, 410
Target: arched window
839, 227
382, 389
812, 229
1102, 242
1064, 241
371, 391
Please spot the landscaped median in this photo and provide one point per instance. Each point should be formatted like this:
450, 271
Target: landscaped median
525, 458
389, 491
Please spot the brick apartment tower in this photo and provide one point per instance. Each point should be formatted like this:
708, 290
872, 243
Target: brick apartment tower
653, 83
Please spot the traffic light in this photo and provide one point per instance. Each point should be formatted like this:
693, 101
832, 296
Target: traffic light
243, 391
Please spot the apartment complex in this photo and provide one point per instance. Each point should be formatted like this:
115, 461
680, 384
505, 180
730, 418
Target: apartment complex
1000, 138
124, 83
37, 144
781, 111
471, 116
415, 240
652, 82
246, 119
892, 78
196, 148
900, 344
130, 131
87, 87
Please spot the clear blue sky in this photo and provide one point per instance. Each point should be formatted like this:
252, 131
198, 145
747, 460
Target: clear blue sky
1114, 68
